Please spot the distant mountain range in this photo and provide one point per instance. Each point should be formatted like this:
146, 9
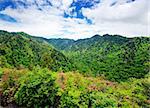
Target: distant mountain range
114, 56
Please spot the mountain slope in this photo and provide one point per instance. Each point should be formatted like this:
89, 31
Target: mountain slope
69, 44
61, 44
117, 57
19, 51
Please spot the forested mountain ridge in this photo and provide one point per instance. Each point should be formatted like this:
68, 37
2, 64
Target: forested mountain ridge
114, 56
95, 40
87, 42
32, 72
19, 50
61, 44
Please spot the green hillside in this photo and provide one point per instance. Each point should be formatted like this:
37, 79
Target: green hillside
116, 57
42, 88
18, 50
61, 44
109, 71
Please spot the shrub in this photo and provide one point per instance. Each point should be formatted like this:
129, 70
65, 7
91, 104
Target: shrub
37, 89
1, 72
9, 83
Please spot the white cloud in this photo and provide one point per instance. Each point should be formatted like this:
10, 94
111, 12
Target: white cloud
122, 18
129, 19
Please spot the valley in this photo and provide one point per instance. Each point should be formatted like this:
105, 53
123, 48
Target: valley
108, 71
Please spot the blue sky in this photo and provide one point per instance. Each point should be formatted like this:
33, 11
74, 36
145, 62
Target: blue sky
75, 18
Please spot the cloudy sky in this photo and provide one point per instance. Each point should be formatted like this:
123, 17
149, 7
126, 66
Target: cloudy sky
76, 18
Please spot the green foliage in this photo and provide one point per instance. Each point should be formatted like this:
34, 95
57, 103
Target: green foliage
21, 51
116, 57
84, 92
60, 44
37, 89
1, 72
102, 100
9, 84
43, 88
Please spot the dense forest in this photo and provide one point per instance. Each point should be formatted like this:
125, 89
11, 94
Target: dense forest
108, 71
17, 50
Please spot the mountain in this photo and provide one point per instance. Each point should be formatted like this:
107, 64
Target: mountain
19, 50
117, 57
29, 77
69, 44
61, 44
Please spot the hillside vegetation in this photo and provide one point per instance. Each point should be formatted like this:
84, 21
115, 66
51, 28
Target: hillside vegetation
109, 71
116, 57
44, 88
18, 50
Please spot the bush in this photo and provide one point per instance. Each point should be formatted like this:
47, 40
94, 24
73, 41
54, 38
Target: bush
1, 72
37, 89
82, 92
9, 84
